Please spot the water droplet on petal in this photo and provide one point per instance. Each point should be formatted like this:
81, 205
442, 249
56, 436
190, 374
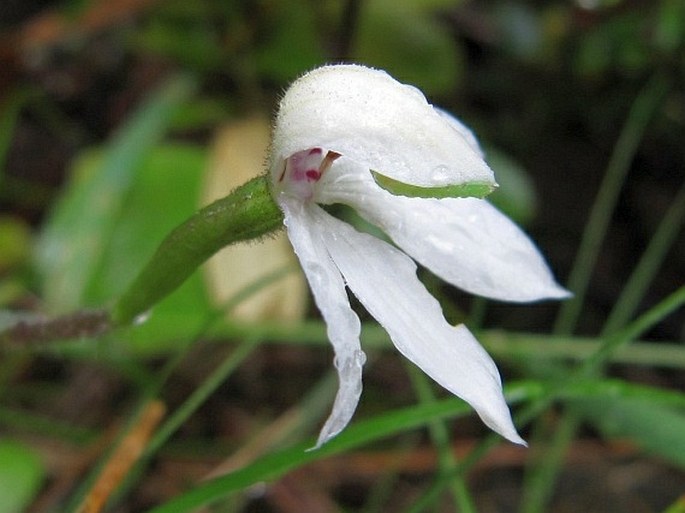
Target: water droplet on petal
440, 175
356, 359
315, 274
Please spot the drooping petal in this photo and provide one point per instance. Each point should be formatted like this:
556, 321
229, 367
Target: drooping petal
384, 279
304, 225
465, 241
368, 116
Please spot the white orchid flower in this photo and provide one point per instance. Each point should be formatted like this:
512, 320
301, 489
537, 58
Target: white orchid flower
340, 132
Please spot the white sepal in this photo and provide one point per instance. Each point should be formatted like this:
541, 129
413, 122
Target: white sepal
366, 115
465, 241
304, 224
463, 130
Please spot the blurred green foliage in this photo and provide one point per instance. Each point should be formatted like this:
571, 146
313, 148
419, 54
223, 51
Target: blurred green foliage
545, 85
21, 474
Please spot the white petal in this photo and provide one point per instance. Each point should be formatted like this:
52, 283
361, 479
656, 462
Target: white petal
384, 279
368, 116
465, 241
303, 223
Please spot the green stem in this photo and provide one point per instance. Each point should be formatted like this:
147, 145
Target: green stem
247, 213
502, 345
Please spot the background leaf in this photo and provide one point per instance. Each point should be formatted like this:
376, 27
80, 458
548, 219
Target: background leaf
516, 195
72, 243
407, 40
21, 473
656, 428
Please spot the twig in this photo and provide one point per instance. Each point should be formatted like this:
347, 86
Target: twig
81, 324
123, 458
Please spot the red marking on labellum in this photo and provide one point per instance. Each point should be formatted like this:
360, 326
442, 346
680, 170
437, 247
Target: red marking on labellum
307, 165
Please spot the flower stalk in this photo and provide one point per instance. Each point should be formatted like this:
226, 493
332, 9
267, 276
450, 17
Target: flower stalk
247, 213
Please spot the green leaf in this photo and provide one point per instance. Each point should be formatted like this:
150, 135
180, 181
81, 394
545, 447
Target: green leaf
515, 195
406, 39
655, 427
72, 244
290, 43
670, 27
187, 32
463, 190
677, 507
21, 473
15, 241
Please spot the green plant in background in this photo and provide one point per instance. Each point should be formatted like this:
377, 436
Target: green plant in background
21, 473
123, 201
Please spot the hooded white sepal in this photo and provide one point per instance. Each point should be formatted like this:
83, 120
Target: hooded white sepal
366, 115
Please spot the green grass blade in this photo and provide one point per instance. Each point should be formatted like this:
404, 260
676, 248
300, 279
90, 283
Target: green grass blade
276, 464
650, 261
656, 428
440, 438
542, 474
628, 142
200, 395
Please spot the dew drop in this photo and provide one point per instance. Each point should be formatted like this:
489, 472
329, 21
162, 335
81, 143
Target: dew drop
440, 175
142, 318
357, 359
315, 273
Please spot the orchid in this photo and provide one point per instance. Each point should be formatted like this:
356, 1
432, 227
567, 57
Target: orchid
347, 134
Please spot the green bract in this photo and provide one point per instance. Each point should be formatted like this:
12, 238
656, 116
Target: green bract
462, 190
